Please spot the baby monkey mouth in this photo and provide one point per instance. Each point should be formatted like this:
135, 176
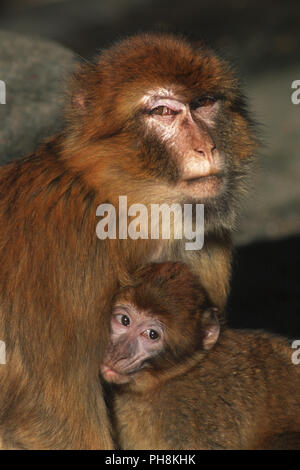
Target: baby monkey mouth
112, 376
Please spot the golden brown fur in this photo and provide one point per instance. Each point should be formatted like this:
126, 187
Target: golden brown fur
56, 277
243, 394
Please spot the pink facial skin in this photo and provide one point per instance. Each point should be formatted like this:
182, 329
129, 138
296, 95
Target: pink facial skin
188, 129
136, 337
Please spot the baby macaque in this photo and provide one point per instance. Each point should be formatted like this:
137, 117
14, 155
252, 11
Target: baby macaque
174, 388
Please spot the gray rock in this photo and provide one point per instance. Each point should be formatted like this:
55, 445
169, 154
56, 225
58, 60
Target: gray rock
33, 71
272, 209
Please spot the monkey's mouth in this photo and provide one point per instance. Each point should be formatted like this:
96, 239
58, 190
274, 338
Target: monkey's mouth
112, 376
204, 177
205, 186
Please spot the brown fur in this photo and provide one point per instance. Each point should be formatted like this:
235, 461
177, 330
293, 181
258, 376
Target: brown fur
237, 396
56, 277
171, 292
243, 394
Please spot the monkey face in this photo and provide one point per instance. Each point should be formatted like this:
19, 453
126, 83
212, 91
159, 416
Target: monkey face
136, 338
159, 322
185, 141
143, 339
168, 113
186, 132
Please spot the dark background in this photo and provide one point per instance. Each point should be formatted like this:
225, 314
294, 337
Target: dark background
262, 38
259, 34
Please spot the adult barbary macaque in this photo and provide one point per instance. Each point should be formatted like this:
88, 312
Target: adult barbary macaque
176, 391
156, 120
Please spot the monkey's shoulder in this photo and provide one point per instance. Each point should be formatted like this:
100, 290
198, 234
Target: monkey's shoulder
252, 348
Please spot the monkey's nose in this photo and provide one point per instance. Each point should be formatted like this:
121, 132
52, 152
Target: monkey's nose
206, 151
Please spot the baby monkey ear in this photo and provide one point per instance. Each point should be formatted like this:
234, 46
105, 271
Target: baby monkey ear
211, 327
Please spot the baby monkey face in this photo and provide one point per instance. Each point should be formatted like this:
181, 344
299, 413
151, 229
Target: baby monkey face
159, 322
136, 337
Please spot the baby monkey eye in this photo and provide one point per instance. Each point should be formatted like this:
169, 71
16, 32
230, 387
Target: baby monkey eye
123, 319
163, 111
152, 334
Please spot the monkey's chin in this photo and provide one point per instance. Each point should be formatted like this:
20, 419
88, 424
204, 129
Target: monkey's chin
112, 376
204, 187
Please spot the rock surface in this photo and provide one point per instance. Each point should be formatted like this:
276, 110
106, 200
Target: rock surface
33, 71
272, 209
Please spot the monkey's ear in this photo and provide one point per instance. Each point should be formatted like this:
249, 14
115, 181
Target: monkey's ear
79, 102
82, 80
211, 327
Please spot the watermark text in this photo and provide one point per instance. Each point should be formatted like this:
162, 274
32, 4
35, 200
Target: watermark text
295, 96
158, 221
2, 92
296, 354
2, 353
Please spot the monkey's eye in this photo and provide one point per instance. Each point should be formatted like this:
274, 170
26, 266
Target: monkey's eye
163, 111
123, 319
203, 102
152, 334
